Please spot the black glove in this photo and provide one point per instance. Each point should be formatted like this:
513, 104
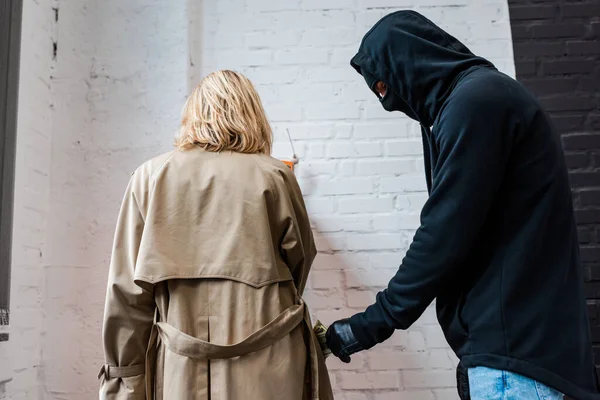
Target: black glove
341, 340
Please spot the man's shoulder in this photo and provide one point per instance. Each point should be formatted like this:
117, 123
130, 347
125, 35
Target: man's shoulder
486, 93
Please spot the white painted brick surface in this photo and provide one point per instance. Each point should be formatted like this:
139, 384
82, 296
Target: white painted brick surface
118, 83
361, 170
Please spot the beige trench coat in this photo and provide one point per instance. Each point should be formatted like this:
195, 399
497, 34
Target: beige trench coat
211, 254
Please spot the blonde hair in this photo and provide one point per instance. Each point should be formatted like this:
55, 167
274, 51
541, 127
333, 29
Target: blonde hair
224, 112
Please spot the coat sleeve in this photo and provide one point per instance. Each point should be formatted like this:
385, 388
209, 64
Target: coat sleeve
129, 310
298, 244
473, 154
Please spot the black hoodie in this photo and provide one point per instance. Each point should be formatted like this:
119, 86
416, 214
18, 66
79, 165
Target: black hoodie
497, 246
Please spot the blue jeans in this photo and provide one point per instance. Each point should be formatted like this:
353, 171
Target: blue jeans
492, 384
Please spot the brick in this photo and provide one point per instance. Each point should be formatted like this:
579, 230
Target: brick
584, 235
235, 58
348, 149
577, 160
357, 364
590, 253
404, 148
383, 130
272, 75
567, 67
593, 122
594, 275
583, 48
366, 205
342, 56
374, 110
369, 380
411, 340
301, 56
596, 158
590, 197
266, 5
359, 298
303, 92
338, 36
341, 224
525, 68
355, 91
284, 112
314, 20
583, 217
537, 49
348, 168
581, 141
568, 103
520, 32
341, 261
405, 183
331, 242
533, 12
429, 379
328, 73
384, 167
385, 4
316, 150
376, 242
349, 395
434, 337
558, 31
445, 394
568, 123
406, 395
551, 85
344, 186
453, 3
595, 28
325, 279
396, 222
375, 278
343, 130
270, 39
392, 360
326, 4
592, 291
323, 299
386, 260
584, 179
325, 112
580, 10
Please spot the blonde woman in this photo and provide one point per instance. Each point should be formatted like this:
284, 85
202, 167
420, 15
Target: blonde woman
211, 256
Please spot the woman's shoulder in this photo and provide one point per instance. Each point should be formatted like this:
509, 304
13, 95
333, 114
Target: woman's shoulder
151, 167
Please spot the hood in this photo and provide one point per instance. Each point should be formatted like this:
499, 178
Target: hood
418, 62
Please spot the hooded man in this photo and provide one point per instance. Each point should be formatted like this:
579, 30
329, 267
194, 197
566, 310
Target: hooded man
497, 246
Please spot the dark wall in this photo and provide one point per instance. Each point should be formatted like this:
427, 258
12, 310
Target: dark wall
10, 43
557, 56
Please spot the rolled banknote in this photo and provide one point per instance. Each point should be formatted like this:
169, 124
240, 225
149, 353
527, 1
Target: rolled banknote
320, 331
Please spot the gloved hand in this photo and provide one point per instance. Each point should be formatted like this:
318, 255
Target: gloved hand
341, 340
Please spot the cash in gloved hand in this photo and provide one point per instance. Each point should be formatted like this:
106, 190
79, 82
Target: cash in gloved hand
320, 331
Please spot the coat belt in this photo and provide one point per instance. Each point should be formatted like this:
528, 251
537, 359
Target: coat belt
189, 346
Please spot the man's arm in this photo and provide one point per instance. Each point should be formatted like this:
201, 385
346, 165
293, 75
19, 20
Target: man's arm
473, 154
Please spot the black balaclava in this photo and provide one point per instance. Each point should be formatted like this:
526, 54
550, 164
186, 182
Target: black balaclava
418, 62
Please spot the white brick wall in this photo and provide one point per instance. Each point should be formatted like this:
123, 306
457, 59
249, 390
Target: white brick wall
360, 168
119, 83
111, 99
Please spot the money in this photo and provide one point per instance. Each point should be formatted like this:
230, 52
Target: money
320, 331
